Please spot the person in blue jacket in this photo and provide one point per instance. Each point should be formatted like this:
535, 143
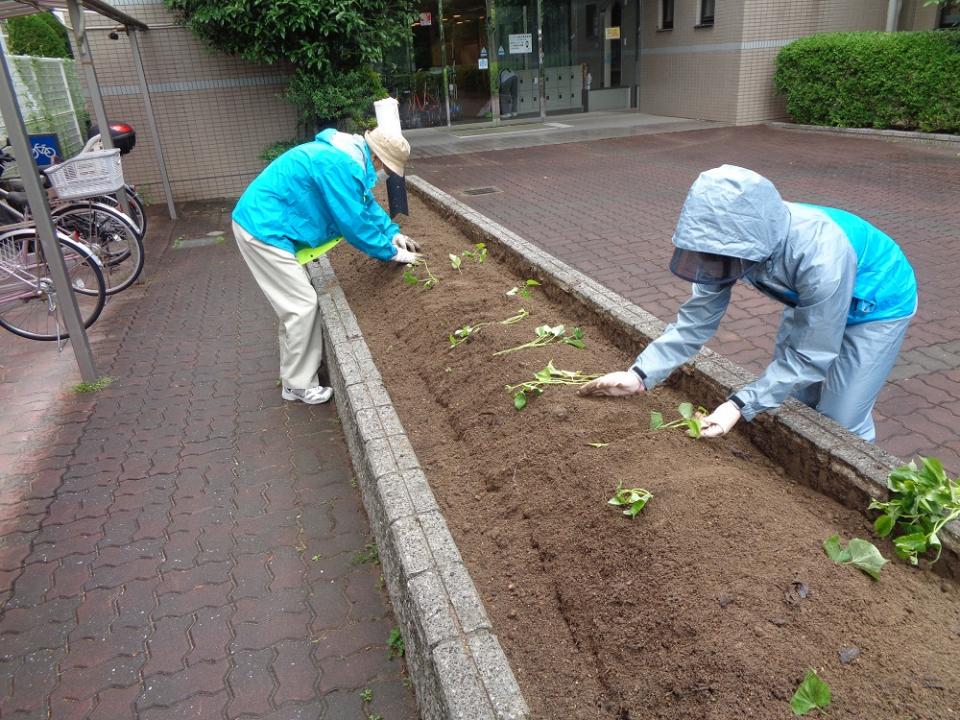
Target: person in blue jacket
301, 204
849, 293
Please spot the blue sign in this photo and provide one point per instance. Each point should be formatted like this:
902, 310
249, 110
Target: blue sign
501, 52
45, 148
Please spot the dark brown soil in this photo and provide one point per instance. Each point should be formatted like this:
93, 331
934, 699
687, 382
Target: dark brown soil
688, 611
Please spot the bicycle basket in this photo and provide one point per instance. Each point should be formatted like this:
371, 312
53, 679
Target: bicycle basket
87, 175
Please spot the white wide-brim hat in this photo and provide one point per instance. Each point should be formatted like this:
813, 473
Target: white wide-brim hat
392, 149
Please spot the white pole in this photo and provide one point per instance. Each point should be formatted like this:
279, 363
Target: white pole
893, 11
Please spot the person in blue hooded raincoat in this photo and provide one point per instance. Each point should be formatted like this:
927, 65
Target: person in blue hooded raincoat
848, 290
300, 204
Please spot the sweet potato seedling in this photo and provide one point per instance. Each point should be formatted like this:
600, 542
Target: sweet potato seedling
514, 319
812, 694
922, 501
689, 418
411, 276
548, 376
547, 335
522, 290
478, 255
462, 334
632, 499
862, 554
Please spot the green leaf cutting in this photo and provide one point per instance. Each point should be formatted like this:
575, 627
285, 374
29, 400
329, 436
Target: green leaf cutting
862, 554
813, 693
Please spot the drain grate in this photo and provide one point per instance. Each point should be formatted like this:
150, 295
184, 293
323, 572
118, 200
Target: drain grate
482, 191
182, 243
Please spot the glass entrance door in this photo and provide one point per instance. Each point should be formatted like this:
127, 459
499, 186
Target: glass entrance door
516, 85
468, 60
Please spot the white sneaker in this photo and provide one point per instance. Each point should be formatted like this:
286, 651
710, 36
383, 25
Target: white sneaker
311, 396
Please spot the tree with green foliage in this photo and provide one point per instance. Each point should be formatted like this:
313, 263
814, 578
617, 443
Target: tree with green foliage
333, 45
40, 35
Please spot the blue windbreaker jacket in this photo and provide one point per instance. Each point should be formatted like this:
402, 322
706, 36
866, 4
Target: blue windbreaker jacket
316, 192
831, 267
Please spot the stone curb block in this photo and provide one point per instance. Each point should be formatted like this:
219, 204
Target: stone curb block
456, 663
938, 139
813, 449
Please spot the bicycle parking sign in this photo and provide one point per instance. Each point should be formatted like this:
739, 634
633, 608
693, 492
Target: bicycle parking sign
45, 148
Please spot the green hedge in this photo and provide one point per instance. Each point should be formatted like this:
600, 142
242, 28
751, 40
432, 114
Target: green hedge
903, 80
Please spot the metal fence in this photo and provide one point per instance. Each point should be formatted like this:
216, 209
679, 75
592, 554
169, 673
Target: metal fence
50, 99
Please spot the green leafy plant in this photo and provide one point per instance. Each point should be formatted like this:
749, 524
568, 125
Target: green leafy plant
514, 319
366, 695
523, 290
395, 643
464, 333
633, 499
922, 501
95, 386
272, 152
40, 35
411, 275
812, 694
862, 554
478, 254
332, 46
370, 554
548, 376
902, 80
547, 335
689, 418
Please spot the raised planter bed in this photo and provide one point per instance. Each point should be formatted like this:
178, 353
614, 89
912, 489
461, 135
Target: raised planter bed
691, 610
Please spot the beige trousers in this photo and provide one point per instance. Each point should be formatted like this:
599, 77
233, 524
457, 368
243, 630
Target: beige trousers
287, 286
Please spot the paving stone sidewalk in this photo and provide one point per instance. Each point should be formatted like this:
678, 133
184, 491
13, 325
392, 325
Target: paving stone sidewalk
609, 207
183, 544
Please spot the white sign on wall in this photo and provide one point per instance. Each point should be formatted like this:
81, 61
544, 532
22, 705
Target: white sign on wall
521, 44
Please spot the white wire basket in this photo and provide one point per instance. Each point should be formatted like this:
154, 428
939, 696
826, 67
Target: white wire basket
87, 175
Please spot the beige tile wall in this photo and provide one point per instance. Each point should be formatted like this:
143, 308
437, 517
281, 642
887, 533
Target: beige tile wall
725, 73
215, 113
914, 15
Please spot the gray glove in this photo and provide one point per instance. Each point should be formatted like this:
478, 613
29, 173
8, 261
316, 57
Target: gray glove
403, 242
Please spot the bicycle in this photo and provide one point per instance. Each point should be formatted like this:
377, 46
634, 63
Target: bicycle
102, 229
29, 301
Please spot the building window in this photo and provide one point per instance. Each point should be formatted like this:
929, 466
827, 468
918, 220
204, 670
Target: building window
666, 15
949, 15
706, 13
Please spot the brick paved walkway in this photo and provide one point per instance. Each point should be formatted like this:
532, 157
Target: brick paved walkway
609, 208
182, 544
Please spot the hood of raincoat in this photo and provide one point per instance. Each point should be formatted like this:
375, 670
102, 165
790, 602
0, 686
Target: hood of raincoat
735, 212
354, 146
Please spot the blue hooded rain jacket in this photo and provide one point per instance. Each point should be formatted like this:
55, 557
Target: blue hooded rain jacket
316, 192
830, 268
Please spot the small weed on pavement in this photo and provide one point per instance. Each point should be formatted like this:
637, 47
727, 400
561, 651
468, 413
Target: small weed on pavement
95, 386
395, 643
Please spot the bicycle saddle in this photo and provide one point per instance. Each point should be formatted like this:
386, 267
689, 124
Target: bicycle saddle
18, 200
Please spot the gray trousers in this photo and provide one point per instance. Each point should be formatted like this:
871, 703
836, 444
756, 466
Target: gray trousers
850, 389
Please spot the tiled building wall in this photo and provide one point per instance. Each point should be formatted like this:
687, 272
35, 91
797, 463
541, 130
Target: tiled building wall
914, 15
690, 71
215, 113
725, 73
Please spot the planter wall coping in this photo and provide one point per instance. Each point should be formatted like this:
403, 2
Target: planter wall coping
944, 139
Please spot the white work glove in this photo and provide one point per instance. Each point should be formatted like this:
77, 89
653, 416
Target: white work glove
615, 384
403, 242
721, 420
404, 256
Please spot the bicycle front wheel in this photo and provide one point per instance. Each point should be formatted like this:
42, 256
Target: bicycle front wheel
29, 300
138, 211
110, 235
